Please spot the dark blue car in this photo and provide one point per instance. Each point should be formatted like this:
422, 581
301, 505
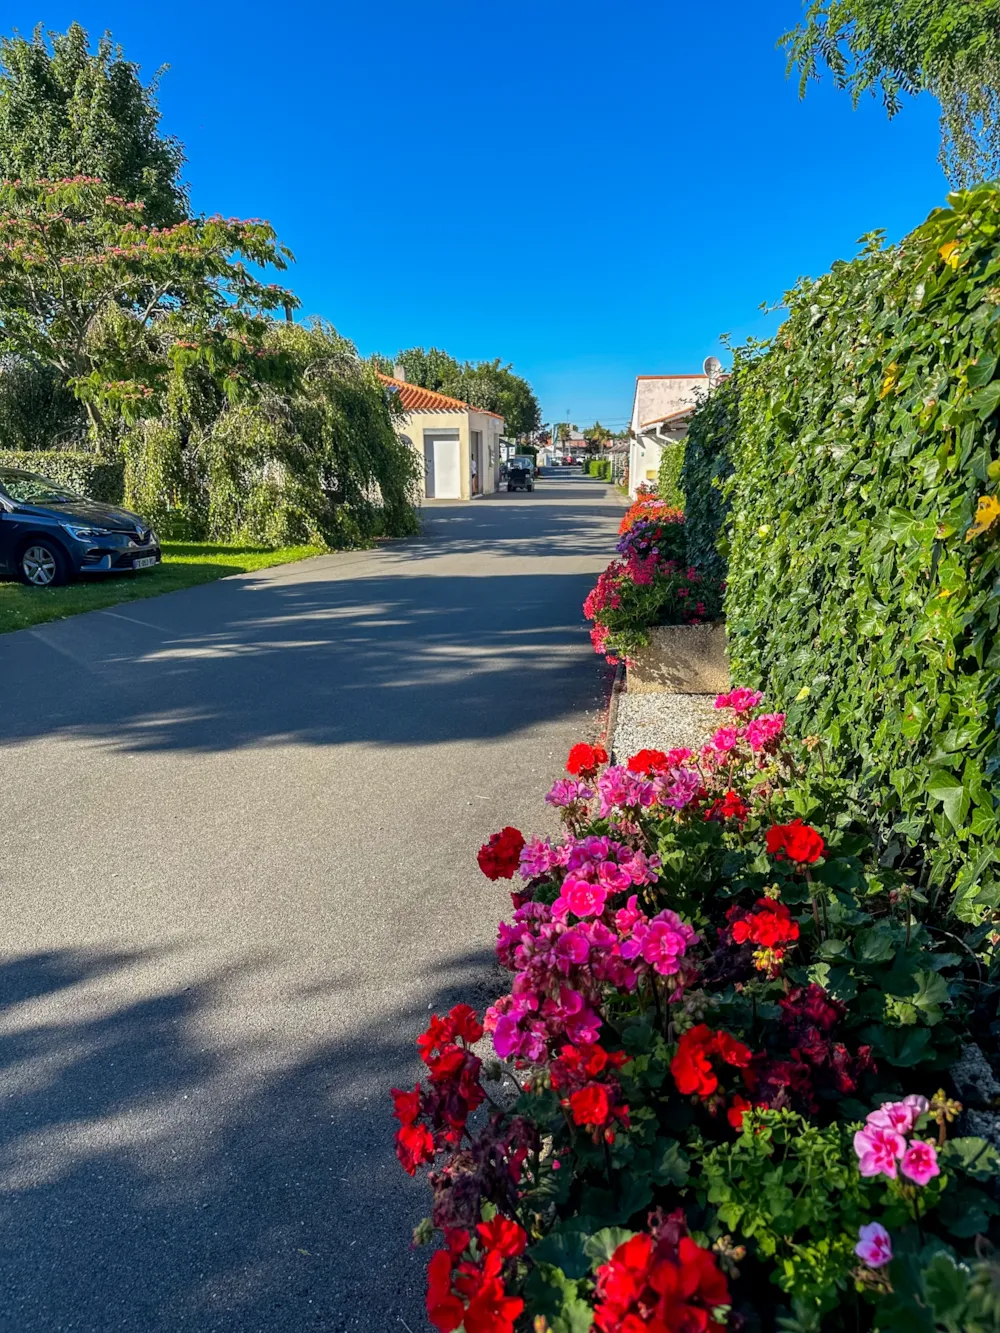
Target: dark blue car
48, 533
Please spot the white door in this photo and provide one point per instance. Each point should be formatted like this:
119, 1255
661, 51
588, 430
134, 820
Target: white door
442, 467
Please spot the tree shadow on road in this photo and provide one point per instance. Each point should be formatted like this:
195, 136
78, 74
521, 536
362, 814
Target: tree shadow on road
149, 1181
383, 659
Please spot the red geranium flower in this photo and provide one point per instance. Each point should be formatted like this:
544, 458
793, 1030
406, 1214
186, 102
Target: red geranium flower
406, 1104
655, 1284
590, 1105
796, 842
692, 1064
414, 1146
584, 760
499, 858
503, 1236
648, 763
731, 806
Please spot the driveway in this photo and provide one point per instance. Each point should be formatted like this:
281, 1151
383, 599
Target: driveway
238, 828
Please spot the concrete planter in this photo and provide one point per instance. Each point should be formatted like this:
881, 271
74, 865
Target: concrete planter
681, 659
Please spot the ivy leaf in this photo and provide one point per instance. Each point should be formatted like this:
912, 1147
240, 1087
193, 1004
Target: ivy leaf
945, 787
987, 510
982, 372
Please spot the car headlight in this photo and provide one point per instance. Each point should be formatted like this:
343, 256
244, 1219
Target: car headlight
86, 534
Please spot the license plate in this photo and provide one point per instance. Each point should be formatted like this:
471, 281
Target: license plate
146, 562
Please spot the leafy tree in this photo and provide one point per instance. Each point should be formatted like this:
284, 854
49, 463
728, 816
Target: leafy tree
121, 310
485, 384
66, 111
431, 369
37, 411
949, 48
316, 459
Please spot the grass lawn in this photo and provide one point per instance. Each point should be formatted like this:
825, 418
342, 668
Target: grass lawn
184, 565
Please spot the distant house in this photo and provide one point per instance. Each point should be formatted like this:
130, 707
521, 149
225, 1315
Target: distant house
660, 411
459, 444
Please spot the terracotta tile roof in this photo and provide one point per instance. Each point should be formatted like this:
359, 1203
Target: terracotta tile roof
417, 399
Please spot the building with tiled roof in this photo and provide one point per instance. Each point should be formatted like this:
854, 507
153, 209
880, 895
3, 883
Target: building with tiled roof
661, 407
459, 443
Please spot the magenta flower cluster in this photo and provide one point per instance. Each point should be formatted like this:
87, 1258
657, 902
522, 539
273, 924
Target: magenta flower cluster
565, 955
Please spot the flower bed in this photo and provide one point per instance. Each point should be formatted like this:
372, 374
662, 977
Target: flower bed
651, 584
725, 1100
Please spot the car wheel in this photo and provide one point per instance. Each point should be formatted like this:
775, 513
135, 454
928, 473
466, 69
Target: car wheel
509, 488
42, 564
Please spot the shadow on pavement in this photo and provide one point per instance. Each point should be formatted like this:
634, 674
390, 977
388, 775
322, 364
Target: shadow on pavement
384, 660
148, 1183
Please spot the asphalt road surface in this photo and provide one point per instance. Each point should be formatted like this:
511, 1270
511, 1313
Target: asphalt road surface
238, 828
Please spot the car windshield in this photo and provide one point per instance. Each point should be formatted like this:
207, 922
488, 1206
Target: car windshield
27, 489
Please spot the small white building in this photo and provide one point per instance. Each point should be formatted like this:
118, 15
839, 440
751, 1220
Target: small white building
459, 443
660, 410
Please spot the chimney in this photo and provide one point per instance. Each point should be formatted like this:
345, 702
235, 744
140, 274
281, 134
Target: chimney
399, 373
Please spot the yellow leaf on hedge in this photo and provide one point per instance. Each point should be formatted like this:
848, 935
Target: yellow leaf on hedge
802, 694
987, 513
950, 253
889, 382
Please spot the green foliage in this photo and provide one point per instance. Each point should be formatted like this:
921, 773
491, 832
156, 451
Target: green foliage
124, 312
37, 411
949, 48
860, 594
88, 473
668, 484
66, 111
704, 469
322, 463
598, 467
793, 1190
485, 384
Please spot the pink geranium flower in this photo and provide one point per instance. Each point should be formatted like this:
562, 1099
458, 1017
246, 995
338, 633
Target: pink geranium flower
879, 1151
900, 1116
726, 739
874, 1246
920, 1162
581, 897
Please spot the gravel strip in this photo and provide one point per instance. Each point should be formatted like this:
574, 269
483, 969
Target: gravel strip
662, 722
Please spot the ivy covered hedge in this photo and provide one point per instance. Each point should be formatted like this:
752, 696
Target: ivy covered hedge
96, 477
862, 592
668, 482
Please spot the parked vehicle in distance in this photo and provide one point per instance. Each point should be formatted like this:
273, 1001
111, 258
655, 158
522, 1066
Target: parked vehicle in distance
48, 533
520, 477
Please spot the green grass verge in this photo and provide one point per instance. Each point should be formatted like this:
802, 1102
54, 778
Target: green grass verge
185, 564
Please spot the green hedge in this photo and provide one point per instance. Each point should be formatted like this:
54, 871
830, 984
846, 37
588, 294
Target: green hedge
599, 467
704, 471
98, 478
860, 596
668, 483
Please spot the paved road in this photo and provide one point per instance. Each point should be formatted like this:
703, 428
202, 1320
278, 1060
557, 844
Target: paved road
237, 838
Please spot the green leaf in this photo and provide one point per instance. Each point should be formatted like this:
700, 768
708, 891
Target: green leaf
945, 787
946, 1286
670, 1165
564, 1248
602, 1244
973, 1156
930, 995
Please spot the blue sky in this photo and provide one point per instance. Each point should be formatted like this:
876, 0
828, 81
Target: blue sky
590, 191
